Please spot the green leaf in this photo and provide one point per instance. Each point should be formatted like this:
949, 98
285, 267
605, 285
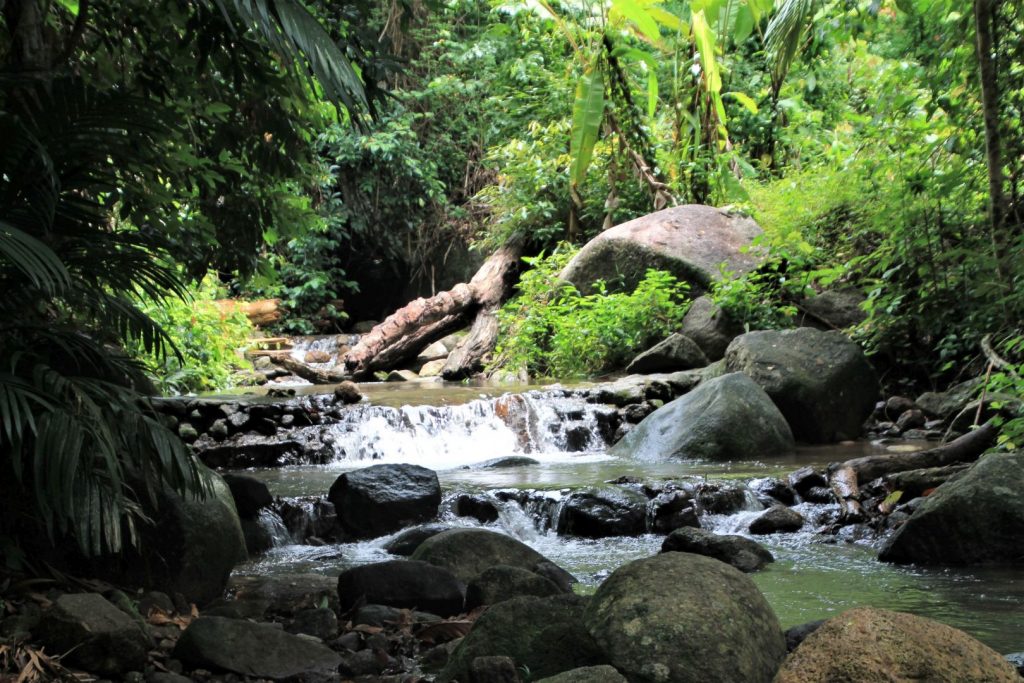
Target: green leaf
587, 115
640, 17
746, 100
705, 39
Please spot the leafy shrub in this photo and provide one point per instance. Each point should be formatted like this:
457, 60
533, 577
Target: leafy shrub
207, 339
1008, 379
551, 330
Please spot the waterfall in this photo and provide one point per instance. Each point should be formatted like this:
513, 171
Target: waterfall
541, 426
271, 523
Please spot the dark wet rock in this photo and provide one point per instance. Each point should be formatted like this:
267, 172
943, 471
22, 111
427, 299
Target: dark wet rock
364, 665
219, 430
402, 583
308, 517
467, 553
190, 549
503, 582
187, 432
705, 424
678, 352
601, 512
772, 489
249, 493
602, 673
777, 519
710, 327
545, 635
555, 574
250, 649
894, 406
639, 388
671, 510
507, 461
974, 519
821, 381
679, 617
381, 499
913, 483
910, 419
406, 542
874, 645
285, 594
258, 537
635, 413
742, 553
347, 393
945, 404
798, 634
383, 615
717, 498
98, 636
834, 309
493, 669
320, 622
691, 242
254, 450
806, 478
819, 494
479, 507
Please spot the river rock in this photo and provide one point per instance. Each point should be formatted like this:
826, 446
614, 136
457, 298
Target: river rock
432, 368
945, 404
678, 617
402, 583
98, 636
406, 542
250, 649
587, 674
678, 352
870, 645
777, 519
975, 518
710, 327
503, 582
727, 418
249, 493
835, 308
381, 499
191, 548
544, 635
770, 489
821, 381
467, 553
670, 510
692, 242
601, 512
798, 634
319, 622
347, 393
478, 506
505, 462
742, 553
281, 594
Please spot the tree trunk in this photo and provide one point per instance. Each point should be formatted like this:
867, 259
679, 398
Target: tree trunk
309, 373
407, 331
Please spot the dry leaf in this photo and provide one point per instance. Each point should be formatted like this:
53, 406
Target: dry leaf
443, 631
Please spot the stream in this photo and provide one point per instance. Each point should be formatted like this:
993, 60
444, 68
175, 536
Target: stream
449, 428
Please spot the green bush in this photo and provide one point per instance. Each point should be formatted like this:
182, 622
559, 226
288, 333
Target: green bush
551, 330
207, 339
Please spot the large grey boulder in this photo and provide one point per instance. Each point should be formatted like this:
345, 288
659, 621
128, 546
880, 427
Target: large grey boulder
710, 327
467, 553
402, 583
381, 499
726, 418
821, 381
683, 618
250, 649
502, 582
835, 308
97, 636
249, 493
738, 551
191, 547
692, 242
677, 352
544, 635
601, 512
975, 518
871, 645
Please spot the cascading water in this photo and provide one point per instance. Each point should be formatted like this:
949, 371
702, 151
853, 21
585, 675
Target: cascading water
446, 437
329, 344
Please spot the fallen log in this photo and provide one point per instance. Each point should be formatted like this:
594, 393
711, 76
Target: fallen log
409, 330
966, 448
309, 373
843, 480
262, 312
915, 482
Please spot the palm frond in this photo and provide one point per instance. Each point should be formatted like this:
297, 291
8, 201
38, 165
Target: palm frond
34, 260
783, 35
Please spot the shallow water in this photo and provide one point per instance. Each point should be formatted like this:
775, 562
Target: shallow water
814, 577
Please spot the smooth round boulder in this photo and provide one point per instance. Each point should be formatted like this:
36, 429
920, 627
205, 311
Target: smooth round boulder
870, 645
821, 381
587, 674
710, 327
726, 418
777, 519
96, 635
684, 618
402, 583
467, 553
692, 242
602, 512
742, 553
249, 493
677, 352
381, 499
405, 542
544, 635
504, 582
976, 518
